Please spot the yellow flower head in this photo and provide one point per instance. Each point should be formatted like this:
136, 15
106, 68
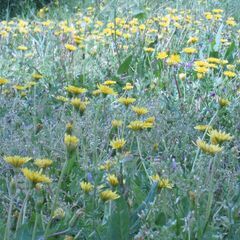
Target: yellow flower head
223, 102
182, 76
106, 90
16, 161
162, 182
75, 90
140, 110
219, 137
37, 76
162, 55
35, 177
59, 213
190, 50
106, 166
43, 163
112, 179
86, 186
108, 195
79, 104
22, 48
71, 142
61, 98
3, 81
136, 125
118, 143
208, 148
229, 74
126, 100
203, 128
192, 40
117, 123
150, 120
70, 47
109, 82
128, 87
174, 59
165, 183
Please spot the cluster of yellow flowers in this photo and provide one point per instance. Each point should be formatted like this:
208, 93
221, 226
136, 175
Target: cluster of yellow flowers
216, 138
33, 176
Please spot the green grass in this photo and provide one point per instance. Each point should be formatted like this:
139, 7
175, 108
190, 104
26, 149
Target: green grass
167, 187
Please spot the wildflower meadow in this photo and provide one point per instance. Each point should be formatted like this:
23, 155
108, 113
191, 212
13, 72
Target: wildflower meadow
120, 120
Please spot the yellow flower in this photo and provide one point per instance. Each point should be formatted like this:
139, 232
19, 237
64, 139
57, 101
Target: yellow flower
214, 60
68, 237
118, 143
136, 125
108, 195
86, 186
192, 40
112, 179
37, 76
75, 90
106, 90
117, 123
71, 142
229, 74
190, 50
109, 82
165, 183
162, 182
79, 104
43, 163
69, 128
203, 128
219, 137
149, 49
3, 81
162, 55
174, 59
150, 120
70, 47
35, 177
223, 102
208, 148
155, 178
126, 100
231, 22
106, 166
182, 76
59, 213
147, 125
19, 87
140, 110
201, 70
16, 161
61, 98
22, 48
128, 87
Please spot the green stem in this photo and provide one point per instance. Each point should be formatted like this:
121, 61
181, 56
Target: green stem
198, 151
7, 231
141, 158
55, 200
22, 213
35, 226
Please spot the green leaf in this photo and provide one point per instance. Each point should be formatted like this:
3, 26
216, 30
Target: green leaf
125, 65
139, 14
229, 53
218, 39
118, 224
135, 221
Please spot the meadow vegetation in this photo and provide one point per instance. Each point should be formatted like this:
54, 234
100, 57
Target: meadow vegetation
120, 120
